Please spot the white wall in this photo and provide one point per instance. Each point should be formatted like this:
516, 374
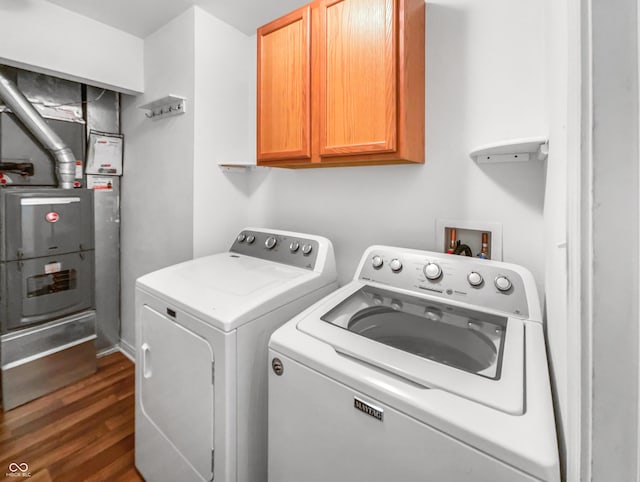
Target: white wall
176, 202
40, 36
223, 70
157, 186
485, 82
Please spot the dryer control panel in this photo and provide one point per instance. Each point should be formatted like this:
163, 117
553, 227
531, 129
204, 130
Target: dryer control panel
278, 247
485, 283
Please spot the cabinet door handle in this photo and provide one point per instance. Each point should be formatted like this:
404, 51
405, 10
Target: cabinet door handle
146, 361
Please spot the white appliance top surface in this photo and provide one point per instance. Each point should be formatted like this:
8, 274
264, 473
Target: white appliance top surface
242, 275
503, 390
228, 289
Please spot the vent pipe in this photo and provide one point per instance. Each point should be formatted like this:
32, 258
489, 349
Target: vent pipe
35, 123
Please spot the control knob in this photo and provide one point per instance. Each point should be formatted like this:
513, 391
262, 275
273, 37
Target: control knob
307, 248
271, 242
294, 246
396, 265
502, 283
251, 238
377, 262
241, 237
474, 278
432, 271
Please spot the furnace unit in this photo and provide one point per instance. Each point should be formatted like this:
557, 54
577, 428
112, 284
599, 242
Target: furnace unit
47, 317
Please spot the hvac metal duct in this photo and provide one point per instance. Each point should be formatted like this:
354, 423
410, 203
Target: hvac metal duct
35, 123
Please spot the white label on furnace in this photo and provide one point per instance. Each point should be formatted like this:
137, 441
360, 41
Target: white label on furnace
52, 268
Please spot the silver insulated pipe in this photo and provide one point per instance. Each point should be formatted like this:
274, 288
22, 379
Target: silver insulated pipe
35, 123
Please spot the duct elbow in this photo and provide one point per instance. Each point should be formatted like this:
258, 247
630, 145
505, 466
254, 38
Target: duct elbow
65, 167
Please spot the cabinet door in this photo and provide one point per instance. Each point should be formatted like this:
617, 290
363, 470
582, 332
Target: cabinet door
357, 67
284, 101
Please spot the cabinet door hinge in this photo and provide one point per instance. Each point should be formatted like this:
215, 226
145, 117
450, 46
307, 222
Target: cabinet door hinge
212, 462
213, 373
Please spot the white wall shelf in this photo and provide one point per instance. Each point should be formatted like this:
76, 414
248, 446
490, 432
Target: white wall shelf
169, 105
512, 150
240, 167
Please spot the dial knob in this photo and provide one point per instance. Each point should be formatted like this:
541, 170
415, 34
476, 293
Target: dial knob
377, 262
502, 283
251, 238
306, 248
271, 242
294, 246
432, 271
241, 237
395, 264
474, 279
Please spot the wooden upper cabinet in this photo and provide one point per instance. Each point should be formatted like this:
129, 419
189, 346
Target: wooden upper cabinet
284, 98
357, 87
365, 89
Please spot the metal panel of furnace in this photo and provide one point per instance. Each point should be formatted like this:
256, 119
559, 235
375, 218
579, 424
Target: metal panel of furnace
103, 114
43, 289
18, 145
45, 222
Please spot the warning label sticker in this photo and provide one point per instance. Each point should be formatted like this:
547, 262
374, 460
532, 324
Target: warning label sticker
52, 268
100, 183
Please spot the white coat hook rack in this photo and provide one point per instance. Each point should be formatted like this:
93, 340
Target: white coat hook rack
168, 105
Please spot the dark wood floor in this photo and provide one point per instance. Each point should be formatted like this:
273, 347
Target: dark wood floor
83, 432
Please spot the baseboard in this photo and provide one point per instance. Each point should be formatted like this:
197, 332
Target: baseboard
107, 351
127, 350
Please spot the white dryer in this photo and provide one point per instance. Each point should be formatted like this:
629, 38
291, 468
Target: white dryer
202, 329
426, 367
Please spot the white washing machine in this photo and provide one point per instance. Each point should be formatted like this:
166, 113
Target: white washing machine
202, 329
427, 367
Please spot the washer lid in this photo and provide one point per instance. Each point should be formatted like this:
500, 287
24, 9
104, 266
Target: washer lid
468, 340
227, 289
472, 353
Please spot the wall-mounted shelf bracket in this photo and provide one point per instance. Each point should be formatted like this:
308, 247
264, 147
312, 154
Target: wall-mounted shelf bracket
512, 150
168, 105
240, 167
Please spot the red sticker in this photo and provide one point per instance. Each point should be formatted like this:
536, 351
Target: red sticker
52, 217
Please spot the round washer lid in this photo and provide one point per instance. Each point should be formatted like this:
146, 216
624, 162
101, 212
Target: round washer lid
466, 349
